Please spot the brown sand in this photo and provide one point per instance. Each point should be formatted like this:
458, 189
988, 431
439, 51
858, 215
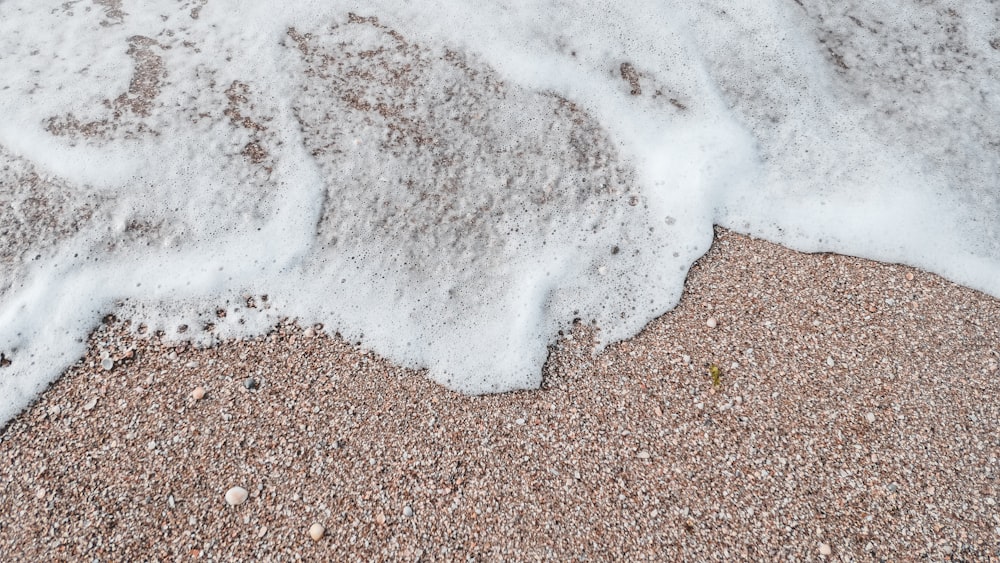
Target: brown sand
856, 414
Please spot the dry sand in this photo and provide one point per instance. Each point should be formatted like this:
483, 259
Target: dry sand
855, 418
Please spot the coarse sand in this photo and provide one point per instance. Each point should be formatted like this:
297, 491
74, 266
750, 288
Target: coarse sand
853, 415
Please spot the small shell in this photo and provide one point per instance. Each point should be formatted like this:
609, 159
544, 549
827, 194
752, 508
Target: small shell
237, 496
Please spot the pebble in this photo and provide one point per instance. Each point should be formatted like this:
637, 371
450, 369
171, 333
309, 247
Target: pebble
643, 455
316, 531
825, 549
711, 322
107, 364
909, 276
250, 383
309, 332
198, 393
407, 511
830, 362
89, 406
236, 496
870, 417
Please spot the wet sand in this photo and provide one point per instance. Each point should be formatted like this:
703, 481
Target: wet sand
854, 415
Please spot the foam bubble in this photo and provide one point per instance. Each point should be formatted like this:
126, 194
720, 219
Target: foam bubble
451, 184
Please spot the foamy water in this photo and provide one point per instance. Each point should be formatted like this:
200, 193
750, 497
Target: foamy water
452, 184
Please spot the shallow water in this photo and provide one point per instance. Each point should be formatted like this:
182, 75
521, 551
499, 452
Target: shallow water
451, 185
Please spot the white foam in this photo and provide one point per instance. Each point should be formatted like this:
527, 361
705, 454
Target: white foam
455, 182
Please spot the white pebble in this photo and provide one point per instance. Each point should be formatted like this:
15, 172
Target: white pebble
407, 511
316, 531
643, 455
107, 364
237, 496
198, 393
829, 361
90, 404
711, 322
825, 549
870, 417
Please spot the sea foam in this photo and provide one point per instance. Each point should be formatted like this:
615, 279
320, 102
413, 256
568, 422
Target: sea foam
452, 183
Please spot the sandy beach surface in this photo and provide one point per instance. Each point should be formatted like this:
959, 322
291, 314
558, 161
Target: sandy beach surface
854, 416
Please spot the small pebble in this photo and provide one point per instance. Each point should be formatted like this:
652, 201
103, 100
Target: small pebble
90, 404
870, 417
40, 494
198, 393
643, 455
825, 549
107, 364
250, 383
237, 496
830, 362
309, 332
711, 322
407, 511
380, 519
909, 276
316, 531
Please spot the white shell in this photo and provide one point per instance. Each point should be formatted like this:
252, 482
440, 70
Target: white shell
237, 496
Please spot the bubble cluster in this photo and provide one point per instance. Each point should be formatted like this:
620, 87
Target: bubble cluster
451, 185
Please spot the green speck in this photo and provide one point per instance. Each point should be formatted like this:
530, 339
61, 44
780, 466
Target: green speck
716, 373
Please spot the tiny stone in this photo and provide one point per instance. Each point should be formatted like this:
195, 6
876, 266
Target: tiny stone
520, 422
250, 383
870, 417
909, 276
309, 332
380, 519
407, 511
237, 496
40, 494
643, 455
316, 531
107, 364
830, 362
198, 393
711, 322
90, 404
262, 532
825, 549
686, 359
